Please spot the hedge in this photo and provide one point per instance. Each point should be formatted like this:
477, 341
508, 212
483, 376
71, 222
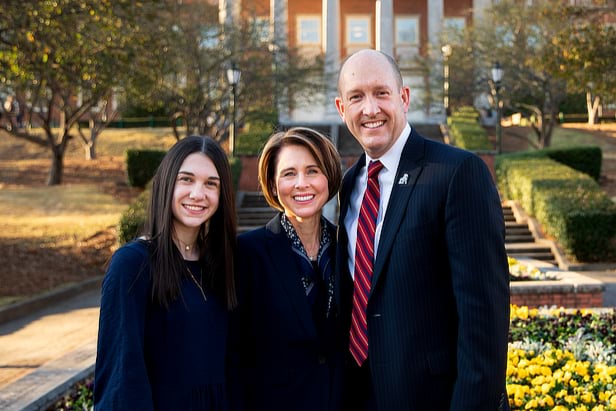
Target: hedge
141, 165
569, 204
586, 159
466, 132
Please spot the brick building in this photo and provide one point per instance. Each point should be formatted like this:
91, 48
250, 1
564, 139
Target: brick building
336, 28
404, 29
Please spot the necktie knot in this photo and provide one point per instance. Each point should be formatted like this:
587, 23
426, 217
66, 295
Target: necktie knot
374, 168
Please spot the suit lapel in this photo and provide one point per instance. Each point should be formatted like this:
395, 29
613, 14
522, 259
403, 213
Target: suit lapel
285, 269
344, 282
347, 187
409, 169
348, 182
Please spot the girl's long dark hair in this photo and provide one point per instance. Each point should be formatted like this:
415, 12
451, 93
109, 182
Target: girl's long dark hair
216, 239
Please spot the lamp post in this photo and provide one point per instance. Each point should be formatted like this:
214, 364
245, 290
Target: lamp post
446, 50
497, 76
233, 76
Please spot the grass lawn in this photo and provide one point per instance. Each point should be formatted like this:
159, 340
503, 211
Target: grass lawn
54, 235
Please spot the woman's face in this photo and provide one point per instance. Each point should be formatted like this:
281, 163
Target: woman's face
300, 184
196, 193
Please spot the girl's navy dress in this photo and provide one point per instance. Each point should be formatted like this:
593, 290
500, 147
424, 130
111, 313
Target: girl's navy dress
153, 358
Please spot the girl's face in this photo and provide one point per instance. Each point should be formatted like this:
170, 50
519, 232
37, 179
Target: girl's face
301, 186
196, 193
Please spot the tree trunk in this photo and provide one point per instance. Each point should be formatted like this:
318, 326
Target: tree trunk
90, 150
548, 129
57, 167
592, 106
90, 147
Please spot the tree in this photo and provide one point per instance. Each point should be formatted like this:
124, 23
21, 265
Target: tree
187, 73
546, 51
61, 59
590, 54
521, 37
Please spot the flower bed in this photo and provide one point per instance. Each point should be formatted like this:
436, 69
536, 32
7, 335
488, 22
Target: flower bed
79, 398
558, 359
562, 359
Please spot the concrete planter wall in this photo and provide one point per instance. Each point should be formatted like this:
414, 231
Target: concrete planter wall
570, 290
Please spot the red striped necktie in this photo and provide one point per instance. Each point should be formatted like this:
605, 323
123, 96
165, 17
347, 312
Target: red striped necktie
364, 262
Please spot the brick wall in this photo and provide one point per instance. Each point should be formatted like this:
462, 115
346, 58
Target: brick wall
562, 299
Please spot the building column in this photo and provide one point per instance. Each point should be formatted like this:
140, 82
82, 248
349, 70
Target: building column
384, 29
436, 12
229, 11
279, 41
331, 48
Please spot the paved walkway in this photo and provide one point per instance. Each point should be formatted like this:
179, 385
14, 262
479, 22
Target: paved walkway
46, 351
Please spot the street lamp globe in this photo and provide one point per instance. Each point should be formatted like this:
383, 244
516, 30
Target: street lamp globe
233, 75
497, 72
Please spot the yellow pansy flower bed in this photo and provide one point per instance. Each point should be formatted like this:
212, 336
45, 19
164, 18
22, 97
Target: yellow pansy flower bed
574, 371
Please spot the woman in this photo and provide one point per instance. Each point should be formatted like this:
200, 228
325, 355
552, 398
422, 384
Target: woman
284, 328
165, 297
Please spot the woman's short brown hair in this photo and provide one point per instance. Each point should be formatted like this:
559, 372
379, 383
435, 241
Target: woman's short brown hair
319, 146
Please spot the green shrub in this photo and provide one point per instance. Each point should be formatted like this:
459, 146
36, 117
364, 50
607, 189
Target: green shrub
586, 159
141, 165
586, 232
133, 219
569, 204
466, 132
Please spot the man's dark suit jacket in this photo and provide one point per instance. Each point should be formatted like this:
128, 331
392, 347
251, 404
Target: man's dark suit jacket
282, 364
438, 311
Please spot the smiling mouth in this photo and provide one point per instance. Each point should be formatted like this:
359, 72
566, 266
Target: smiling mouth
194, 207
374, 124
304, 197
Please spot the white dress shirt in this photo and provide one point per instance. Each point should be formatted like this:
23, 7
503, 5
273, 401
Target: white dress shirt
390, 161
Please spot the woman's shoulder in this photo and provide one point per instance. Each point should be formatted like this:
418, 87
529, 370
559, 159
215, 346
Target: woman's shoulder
133, 251
251, 239
128, 263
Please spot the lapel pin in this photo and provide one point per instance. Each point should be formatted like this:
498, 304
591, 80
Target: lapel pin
404, 179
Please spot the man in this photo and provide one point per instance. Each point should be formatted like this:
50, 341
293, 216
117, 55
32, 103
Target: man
425, 287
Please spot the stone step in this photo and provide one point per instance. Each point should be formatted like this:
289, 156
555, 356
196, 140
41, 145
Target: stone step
256, 212
520, 232
528, 248
519, 238
517, 228
514, 224
547, 257
253, 199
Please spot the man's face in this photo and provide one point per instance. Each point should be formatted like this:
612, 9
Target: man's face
371, 103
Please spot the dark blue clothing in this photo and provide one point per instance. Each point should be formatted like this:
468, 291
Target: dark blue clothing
286, 351
438, 310
155, 358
